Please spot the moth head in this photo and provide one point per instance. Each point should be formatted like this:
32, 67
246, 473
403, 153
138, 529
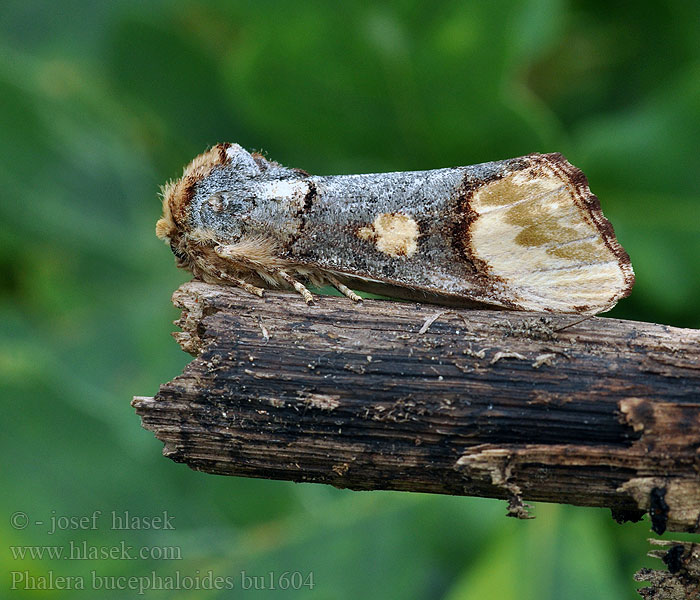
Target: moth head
225, 194
171, 227
174, 226
167, 231
165, 226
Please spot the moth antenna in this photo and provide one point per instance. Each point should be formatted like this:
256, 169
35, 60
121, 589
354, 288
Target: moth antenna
299, 287
344, 289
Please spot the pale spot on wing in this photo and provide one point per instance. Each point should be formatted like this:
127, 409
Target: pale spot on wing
547, 249
393, 234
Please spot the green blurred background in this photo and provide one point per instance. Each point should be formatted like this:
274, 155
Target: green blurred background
101, 102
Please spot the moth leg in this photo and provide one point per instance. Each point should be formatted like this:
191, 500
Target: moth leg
242, 284
239, 253
344, 289
299, 287
230, 253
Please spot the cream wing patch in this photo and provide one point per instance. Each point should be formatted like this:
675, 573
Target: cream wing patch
531, 233
393, 234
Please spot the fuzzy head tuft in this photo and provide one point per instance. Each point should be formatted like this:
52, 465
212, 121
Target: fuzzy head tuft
165, 226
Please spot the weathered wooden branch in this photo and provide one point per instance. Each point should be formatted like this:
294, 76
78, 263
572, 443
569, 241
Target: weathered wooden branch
391, 395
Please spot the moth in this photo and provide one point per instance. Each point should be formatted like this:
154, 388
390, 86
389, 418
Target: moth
522, 234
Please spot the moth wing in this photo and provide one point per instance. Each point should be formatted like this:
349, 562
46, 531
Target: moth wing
530, 237
541, 232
